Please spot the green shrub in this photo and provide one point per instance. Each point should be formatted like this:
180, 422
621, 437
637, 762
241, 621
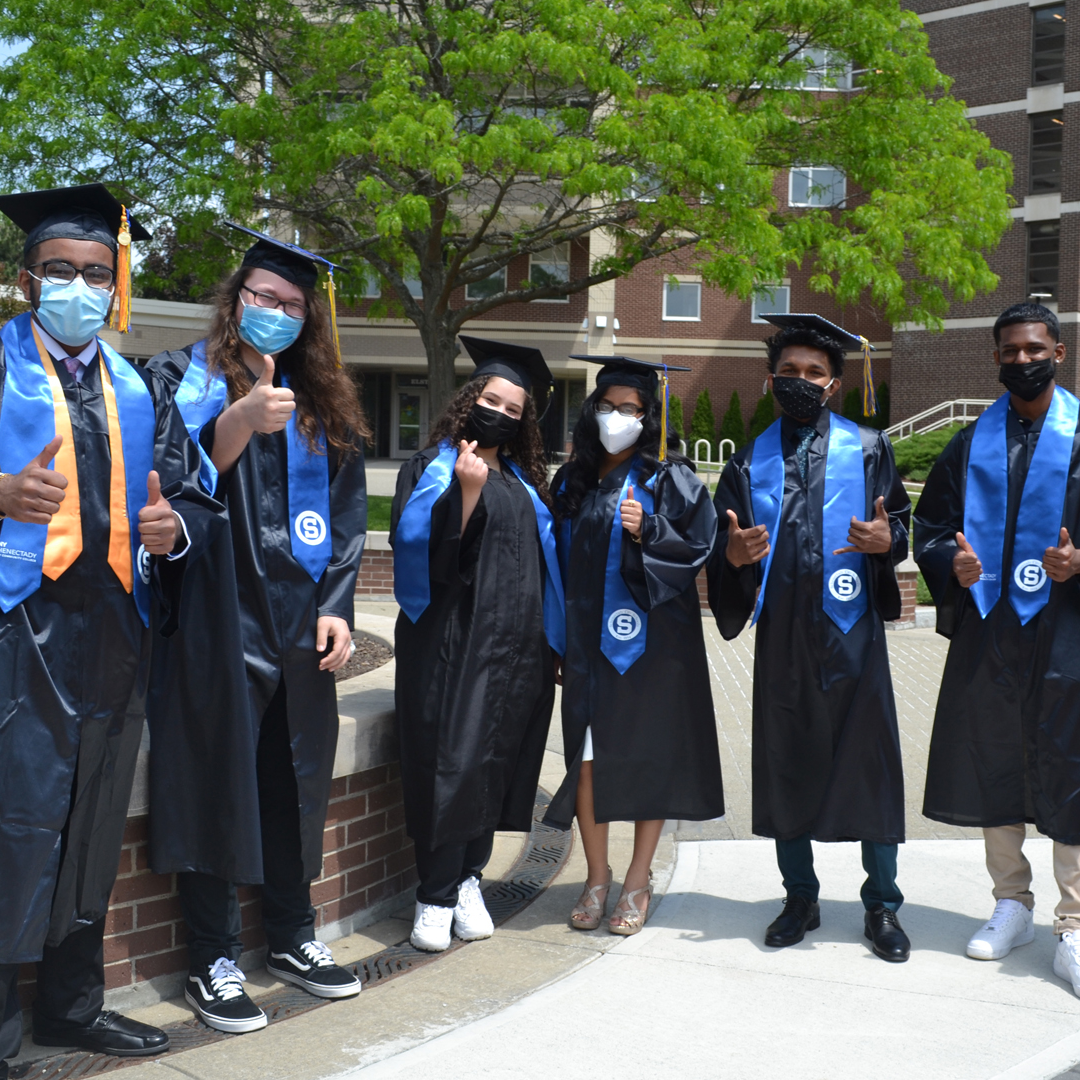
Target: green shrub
731, 427
852, 407
702, 423
922, 592
881, 421
916, 455
674, 414
764, 415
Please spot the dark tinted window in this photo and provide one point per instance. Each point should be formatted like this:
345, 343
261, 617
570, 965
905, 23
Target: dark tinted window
1048, 45
1046, 144
1043, 257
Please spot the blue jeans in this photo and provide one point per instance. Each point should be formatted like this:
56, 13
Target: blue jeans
796, 861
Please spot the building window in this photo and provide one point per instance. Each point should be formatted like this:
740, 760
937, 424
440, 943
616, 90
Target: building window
485, 287
816, 185
573, 399
1048, 45
373, 289
551, 267
1047, 130
1043, 258
827, 70
415, 287
682, 301
769, 300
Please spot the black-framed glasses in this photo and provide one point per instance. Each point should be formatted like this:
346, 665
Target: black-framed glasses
63, 273
265, 300
627, 408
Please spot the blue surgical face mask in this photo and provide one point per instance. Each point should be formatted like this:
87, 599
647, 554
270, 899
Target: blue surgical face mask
267, 330
73, 313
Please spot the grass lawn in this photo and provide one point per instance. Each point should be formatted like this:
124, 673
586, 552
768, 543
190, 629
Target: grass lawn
378, 513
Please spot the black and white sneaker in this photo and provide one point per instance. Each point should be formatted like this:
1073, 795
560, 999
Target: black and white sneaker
217, 994
311, 965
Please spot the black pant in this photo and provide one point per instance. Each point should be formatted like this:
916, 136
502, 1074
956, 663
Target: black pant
796, 861
70, 987
443, 869
210, 906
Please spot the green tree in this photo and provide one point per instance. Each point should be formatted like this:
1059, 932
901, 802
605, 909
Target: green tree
731, 426
11, 245
445, 139
702, 423
764, 415
881, 421
675, 416
852, 407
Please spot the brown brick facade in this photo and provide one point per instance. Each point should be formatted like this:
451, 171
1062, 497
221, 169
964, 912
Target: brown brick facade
376, 574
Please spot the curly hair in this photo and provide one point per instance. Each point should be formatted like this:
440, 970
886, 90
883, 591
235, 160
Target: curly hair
811, 338
583, 468
526, 448
326, 397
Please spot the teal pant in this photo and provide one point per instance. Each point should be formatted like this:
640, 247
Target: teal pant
796, 861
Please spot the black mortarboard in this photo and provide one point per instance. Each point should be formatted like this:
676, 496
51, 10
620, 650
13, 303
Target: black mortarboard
523, 365
626, 371
815, 322
86, 212
286, 260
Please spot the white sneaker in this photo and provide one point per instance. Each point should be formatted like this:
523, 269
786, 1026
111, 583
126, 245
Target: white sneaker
431, 927
471, 919
1010, 925
1067, 960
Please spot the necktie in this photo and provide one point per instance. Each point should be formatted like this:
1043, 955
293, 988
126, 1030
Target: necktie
805, 436
73, 364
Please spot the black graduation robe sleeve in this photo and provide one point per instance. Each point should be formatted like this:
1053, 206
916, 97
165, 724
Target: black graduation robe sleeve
676, 538
348, 531
732, 590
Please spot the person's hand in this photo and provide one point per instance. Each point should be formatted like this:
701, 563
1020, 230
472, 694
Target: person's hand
558, 668
1061, 562
632, 514
966, 565
471, 469
745, 546
158, 526
267, 407
873, 537
34, 494
331, 627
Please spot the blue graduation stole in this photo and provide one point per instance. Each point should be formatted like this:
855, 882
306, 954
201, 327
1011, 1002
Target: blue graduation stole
1042, 504
308, 473
28, 422
844, 595
623, 625
412, 575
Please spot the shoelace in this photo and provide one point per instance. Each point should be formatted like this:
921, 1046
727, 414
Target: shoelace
317, 954
1002, 916
225, 979
469, 896
889, 916
428, 916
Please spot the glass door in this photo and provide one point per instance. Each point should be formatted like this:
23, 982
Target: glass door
410, 420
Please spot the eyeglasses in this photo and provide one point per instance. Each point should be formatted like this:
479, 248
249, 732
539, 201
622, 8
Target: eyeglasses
265, 300
627, 408
63, 273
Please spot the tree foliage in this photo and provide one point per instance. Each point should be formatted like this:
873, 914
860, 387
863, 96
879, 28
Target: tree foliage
731, 426
764, 414
443, 139
675, 416
702, 423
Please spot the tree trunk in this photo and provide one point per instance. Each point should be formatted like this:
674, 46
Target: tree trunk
441, 347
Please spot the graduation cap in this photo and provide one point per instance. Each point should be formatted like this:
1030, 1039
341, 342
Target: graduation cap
844, 338
522, 365
644, 375
84, 212
293, 263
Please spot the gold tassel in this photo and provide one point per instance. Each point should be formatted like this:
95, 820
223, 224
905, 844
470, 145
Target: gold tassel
869, 394
332, 297
662, 456
121, 309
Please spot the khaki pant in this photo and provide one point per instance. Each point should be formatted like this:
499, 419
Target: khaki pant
1011, 873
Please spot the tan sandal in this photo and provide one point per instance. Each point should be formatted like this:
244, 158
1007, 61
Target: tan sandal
633, 918
589, 909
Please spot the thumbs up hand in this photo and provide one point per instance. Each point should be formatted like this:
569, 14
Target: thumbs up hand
966, 564
267, 407
35, 493
158, 524
1063, 561
873, 537
745, 546
632, 514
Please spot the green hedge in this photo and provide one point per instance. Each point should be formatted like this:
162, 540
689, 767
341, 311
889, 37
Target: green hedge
915, 456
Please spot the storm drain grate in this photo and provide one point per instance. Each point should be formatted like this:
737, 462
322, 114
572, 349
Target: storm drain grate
543, 856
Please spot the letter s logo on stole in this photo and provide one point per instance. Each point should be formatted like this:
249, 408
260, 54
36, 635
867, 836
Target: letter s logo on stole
310, 527
142, 557
1029, 575
845, 584
624, 624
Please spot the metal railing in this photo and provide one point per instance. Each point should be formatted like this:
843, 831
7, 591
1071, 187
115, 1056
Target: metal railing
960, 411
704, 462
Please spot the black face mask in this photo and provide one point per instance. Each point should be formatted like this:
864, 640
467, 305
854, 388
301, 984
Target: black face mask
489, 427
799, 398
1026, 381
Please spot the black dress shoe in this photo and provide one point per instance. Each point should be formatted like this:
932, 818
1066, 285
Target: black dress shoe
789, 928
110, 1033
886, 936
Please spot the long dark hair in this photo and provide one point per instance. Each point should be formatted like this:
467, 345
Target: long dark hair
325, 395
583, 469
526, 448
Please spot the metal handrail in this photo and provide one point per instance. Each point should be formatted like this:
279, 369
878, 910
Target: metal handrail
958, 411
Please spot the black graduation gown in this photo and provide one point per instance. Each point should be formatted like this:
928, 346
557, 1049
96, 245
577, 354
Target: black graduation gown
475, 682
1006, 742
74, 659
655, 750
251, 610
826, 749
